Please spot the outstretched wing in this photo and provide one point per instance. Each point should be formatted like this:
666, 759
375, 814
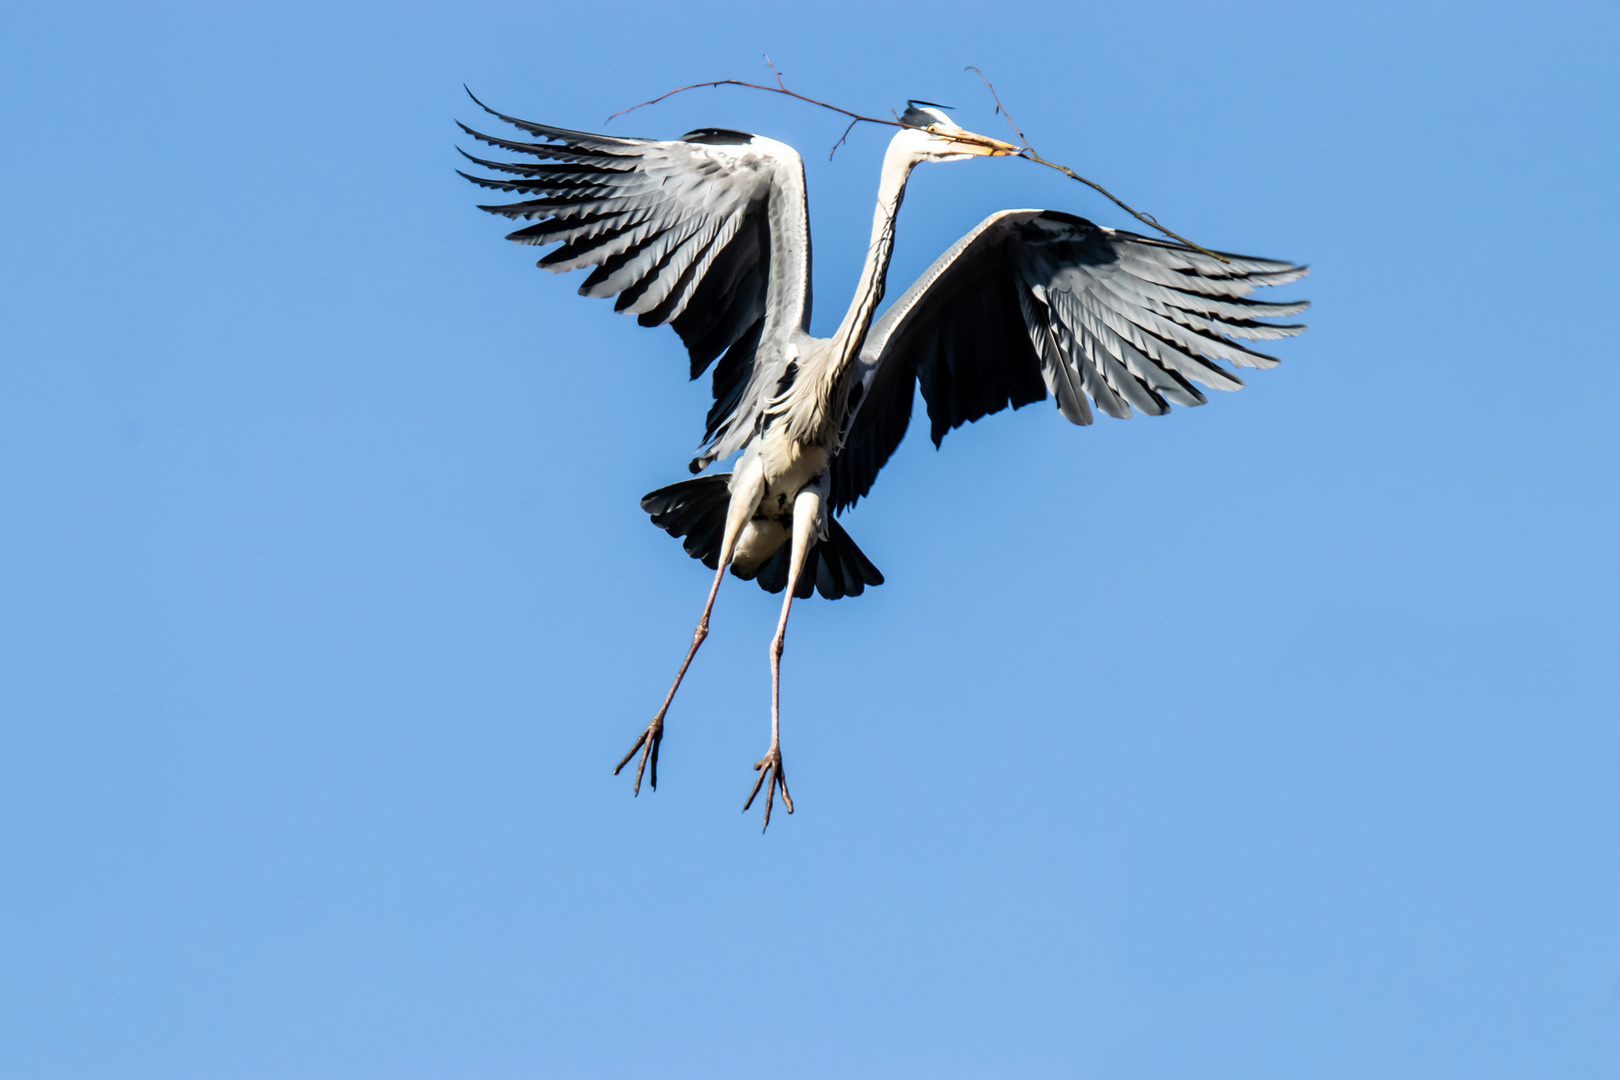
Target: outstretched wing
1037, 302
708, 233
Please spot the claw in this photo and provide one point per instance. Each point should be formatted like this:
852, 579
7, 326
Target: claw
771, 777
647, 743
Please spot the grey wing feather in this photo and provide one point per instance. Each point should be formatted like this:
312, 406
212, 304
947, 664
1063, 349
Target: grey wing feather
1034, 303
708, 233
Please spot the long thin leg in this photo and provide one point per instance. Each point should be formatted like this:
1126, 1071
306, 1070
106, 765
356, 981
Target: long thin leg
744, 501
806, 515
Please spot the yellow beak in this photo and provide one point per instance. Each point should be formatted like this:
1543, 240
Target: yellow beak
968, 142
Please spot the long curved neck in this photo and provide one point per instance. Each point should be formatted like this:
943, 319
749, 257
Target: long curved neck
897, 166
814, 407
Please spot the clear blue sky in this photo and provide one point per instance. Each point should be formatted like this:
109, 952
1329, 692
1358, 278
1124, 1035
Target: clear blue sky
1275, 738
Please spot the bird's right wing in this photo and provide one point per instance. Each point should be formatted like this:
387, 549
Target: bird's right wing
1038, 302
708, 233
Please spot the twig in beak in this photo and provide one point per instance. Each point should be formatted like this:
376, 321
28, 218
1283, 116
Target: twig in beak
1028, 152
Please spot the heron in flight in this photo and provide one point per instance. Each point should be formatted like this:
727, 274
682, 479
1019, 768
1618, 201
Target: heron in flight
710, 234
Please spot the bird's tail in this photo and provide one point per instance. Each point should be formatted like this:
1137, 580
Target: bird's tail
835, 568
696, 510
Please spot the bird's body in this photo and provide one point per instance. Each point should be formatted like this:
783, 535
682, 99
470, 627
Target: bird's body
787, 466
710, 233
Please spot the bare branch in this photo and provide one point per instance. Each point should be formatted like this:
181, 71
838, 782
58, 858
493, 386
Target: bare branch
856, 117
1144, 218
842, 137
1002, 109
1028, 153
780, 84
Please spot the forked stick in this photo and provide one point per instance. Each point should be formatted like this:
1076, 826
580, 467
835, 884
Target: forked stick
1028, 153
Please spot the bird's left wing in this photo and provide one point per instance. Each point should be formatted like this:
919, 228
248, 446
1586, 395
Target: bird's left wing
708, 233
1038, 302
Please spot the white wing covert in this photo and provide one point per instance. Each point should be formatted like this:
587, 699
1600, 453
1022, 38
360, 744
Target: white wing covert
708, 233
1034, 303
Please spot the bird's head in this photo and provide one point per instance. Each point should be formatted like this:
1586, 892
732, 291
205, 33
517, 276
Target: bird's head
931, 136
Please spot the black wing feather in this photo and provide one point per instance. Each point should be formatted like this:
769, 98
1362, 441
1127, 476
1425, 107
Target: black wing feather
679, 231
1037, 302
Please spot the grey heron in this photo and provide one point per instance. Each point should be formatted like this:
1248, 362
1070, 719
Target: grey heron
710, 234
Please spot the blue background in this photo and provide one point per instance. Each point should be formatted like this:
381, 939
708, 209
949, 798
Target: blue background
1275, 738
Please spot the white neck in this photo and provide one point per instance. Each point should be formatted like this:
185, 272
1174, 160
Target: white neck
897, 166
819, 413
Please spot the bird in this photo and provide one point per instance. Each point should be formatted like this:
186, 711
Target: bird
709, 233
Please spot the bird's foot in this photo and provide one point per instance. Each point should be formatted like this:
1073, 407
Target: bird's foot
770, 778
647, 743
